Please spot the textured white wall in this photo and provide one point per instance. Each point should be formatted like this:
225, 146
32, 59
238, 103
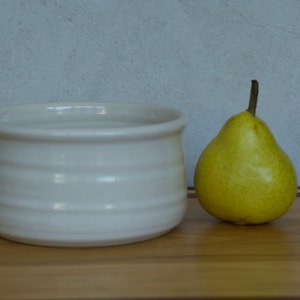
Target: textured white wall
196, 56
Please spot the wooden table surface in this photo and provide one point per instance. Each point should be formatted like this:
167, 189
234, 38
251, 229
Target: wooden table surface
200, 259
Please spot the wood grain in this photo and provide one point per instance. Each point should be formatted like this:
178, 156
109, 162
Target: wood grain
201, 259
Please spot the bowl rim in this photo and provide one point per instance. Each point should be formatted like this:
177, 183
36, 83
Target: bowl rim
174, 124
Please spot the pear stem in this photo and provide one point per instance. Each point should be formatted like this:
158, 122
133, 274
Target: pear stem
253, 97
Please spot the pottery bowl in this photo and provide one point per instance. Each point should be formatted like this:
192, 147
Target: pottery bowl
90, 174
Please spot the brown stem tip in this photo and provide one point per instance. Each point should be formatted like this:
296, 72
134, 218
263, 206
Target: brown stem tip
253, 97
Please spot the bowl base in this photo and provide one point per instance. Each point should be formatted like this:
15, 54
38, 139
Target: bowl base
81, 243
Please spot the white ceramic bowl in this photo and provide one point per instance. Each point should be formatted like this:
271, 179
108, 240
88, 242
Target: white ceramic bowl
90, 174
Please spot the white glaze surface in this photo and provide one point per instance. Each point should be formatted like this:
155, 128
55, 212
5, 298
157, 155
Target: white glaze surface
90, 174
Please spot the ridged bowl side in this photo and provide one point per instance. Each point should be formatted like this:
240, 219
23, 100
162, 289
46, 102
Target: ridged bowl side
59, 192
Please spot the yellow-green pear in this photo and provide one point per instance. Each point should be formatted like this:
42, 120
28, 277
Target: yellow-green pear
243, 176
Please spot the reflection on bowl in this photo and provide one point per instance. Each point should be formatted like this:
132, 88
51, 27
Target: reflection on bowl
90, 174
